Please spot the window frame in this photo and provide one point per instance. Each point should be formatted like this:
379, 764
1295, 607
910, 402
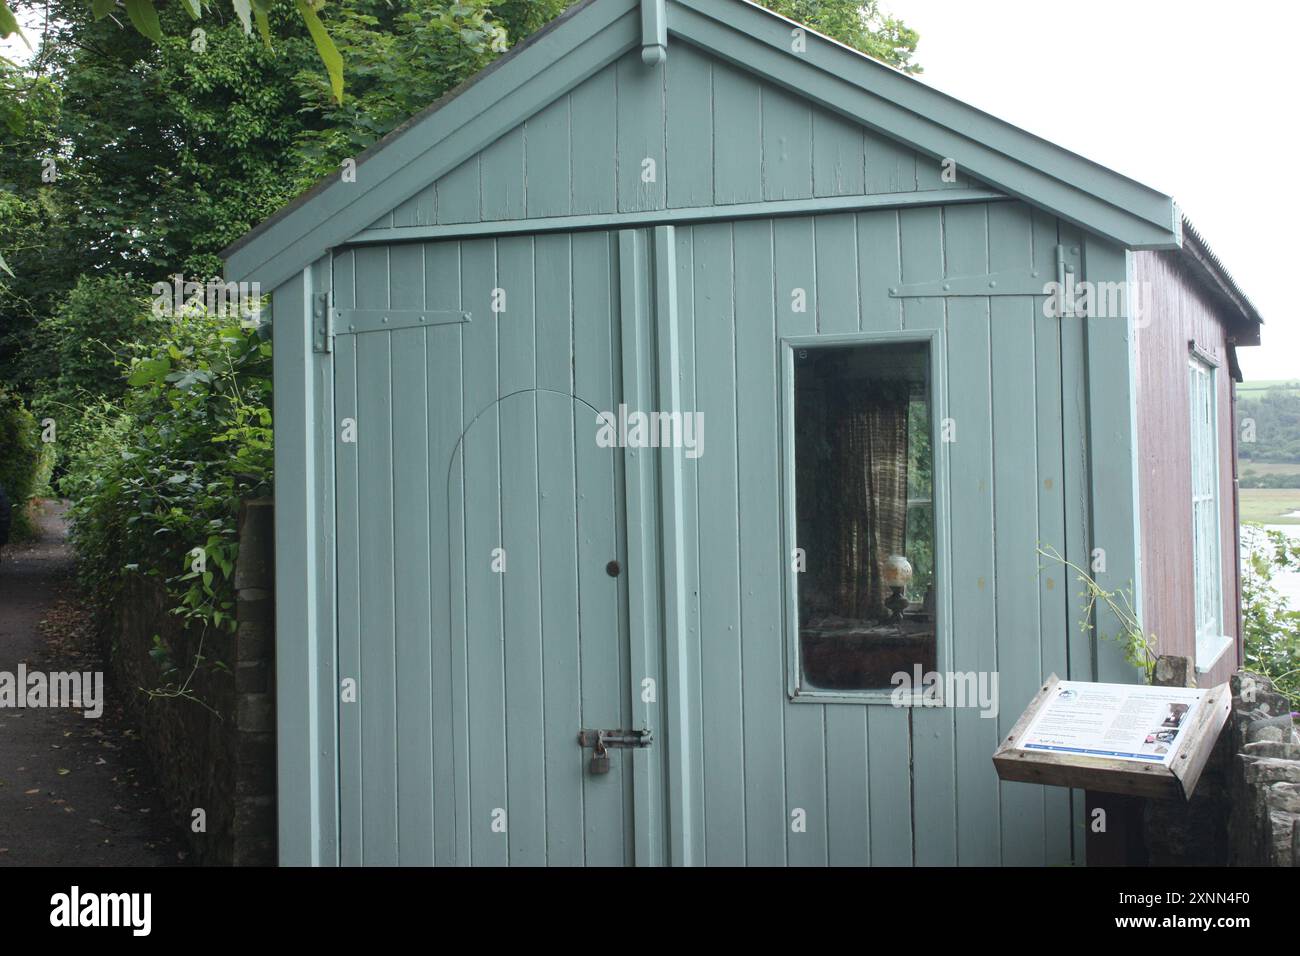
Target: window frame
939, 492
1204, 453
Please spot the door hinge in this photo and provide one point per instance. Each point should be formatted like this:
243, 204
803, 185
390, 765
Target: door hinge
322, 339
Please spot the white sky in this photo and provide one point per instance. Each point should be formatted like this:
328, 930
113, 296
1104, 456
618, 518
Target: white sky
1193, 98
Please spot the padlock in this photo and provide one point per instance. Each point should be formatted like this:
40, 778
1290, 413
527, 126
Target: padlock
599, 757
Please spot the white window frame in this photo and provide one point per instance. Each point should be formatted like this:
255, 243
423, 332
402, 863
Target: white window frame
1206, 511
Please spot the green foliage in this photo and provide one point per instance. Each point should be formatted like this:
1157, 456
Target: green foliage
1138, 646
164, 474
1276, 418
860, 24
23, 460
1286, 479
399, 61
1270, 628
143, 15
80, 350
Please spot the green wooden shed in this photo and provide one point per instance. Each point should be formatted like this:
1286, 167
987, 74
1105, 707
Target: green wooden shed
654, 410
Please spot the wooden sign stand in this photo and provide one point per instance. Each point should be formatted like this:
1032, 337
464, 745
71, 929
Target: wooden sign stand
1162, 781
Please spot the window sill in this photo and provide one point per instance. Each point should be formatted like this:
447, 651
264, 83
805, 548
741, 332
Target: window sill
1209, 650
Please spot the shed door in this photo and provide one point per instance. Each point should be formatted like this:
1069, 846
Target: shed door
483, 584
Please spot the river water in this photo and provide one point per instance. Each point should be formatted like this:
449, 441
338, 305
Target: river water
1287, 583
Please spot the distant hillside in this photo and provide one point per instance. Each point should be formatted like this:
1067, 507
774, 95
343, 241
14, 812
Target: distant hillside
1260, 387
1272, 460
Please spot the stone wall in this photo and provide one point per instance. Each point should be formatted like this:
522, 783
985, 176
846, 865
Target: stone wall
1264, 825
214, 748
1246, 808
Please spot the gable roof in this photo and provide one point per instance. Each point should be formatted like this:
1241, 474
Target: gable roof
594, 33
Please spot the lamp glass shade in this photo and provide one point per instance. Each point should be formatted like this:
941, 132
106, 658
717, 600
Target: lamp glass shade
898, 571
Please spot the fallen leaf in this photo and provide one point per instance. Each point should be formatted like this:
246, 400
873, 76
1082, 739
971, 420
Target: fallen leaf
31, 792
64, 771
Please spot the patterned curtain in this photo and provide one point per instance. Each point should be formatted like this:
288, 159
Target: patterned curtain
869, 454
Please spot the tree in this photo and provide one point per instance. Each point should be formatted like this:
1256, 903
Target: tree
143, 16
860, 24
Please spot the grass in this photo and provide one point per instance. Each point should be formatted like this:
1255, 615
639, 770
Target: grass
1269, 467
1270, 505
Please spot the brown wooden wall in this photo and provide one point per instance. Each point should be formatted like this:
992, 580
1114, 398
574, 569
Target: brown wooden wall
1175, 311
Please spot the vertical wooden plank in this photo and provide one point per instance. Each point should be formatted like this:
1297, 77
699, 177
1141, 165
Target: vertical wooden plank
548, 185
593, 111
690, 128
443, 361
889, 755
879, 270
737, 138
848, 802
973, 572
349, 573
377, 690
1078, 498
1015, 467
603, 633
692, 850
921, 244
679, 677
521, 582
839, 156
323, 814
1053, 585
457, 564
480, 449
639, 294
720, 653
795, 305
300, 630
1078, 493
759, 504
796, 290
411, 565
837, 287
420, 210
641, 171
459, 194
502, 184
1112, 421
891, 167
787, 126
558, 417
349, 608
930, 171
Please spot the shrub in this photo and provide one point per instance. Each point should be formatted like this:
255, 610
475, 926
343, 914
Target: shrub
1271, 638
24, 461
158, 481
80, 353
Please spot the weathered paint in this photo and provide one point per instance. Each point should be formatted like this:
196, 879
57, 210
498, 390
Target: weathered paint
1176, 312
674, 293
728, 139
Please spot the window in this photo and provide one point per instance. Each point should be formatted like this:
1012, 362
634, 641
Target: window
1207, 567
864, 515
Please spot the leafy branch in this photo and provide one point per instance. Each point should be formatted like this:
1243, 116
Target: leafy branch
144, 17
1137, 645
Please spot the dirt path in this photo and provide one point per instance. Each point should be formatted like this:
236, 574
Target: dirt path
74, 791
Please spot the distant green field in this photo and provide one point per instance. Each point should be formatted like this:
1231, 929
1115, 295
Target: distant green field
1269, 467
1270, 505
1257, 388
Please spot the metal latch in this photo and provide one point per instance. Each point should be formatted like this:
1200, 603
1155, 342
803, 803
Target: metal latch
615, 738
601, 740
